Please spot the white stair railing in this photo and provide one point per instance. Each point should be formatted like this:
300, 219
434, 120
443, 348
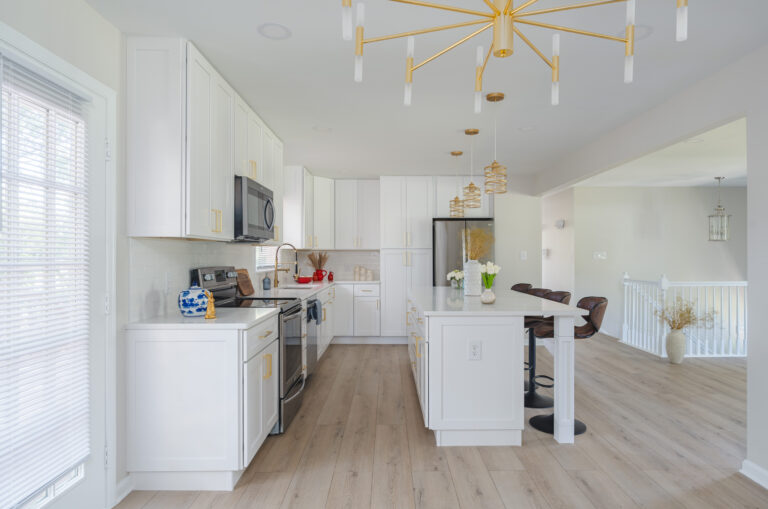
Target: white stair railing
727, 337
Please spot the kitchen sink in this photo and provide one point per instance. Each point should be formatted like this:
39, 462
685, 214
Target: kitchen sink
297, 287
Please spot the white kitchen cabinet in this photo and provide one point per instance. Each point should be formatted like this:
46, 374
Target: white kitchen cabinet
407, 208
200, 401
278, 186
367, 316
323, 213
357, 214
266, 177
401, 271
326, 329
298, 207
445, 190
188, 133
309, 209
394, 275
344, 304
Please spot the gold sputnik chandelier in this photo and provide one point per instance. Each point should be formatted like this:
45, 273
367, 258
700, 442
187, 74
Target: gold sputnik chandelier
504, 18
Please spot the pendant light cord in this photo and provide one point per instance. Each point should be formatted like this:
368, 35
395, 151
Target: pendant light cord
495, 121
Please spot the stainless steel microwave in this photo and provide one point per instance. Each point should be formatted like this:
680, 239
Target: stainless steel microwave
254, 211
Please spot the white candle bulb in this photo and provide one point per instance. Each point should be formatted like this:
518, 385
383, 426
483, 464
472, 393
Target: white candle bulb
346, 23
478, 102
358, 68
629, 64
408, 94
411, 43
555, 93
682, 22
631, 6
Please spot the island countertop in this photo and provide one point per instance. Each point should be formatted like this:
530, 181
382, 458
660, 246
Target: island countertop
446, 301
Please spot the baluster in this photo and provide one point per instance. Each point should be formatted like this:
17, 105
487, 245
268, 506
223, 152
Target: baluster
730, 334
721, 315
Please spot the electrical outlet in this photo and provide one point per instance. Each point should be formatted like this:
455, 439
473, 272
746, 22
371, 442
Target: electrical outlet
523, 255
475, 350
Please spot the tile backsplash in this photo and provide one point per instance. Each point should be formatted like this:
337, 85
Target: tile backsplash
342, 263
159, 270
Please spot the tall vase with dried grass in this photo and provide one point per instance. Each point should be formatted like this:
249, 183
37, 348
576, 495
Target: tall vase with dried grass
318, 261
678, 316
477, 243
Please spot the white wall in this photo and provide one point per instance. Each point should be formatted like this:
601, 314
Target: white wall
652, 231
557, 267
517, 220
736, 91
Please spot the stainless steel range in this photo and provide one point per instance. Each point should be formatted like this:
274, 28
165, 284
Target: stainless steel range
222, 283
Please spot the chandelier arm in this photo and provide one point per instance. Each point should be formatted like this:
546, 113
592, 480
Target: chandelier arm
424, 31
532, 46
518, 9
445, 7
493, 7
487, 56
572, 30
569, 7
449, 48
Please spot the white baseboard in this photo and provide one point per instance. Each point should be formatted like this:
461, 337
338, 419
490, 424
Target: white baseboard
370, 340
755, 472
186, 481
123, 488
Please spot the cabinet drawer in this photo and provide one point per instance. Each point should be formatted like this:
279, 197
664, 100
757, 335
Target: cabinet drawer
366, 290
259, 336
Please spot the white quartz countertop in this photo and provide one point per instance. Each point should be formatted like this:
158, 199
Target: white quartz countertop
226, 318
292, 290
446, 301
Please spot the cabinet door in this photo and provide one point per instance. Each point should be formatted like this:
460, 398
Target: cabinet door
270, 381
267, 155
345, 223
278, 185
241, 156
367, 317
255, 162
368, 214
419, 211
201, 217
344, 323
423, 371
392, 212
419, 268
252, 407
222, 181
393, 291
323, 216
308, 221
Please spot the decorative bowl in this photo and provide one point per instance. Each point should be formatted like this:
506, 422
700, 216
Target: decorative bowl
304, 280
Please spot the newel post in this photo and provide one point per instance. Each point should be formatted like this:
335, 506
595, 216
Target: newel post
662, 340
624, 325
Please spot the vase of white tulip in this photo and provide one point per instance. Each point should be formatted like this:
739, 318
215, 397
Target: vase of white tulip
488, 272
456, 277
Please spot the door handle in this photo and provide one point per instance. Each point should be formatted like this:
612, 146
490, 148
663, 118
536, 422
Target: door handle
268, 358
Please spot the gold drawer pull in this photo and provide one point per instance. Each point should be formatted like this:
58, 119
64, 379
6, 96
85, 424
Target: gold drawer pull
266, 334
268, 358
366, 291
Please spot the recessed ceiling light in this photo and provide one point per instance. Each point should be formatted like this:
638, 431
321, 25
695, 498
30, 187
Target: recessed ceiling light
274, 31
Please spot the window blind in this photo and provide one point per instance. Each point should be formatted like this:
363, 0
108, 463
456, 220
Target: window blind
265, 257
44, 289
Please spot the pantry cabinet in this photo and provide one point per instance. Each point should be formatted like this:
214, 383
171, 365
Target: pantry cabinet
407, 208
356, 214
188, 133
401, 271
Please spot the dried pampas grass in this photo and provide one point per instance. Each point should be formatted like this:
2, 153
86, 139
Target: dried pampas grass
681, 314
318, 260
477, 242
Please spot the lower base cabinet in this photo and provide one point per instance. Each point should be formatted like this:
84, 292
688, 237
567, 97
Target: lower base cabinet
200, 403
357, 309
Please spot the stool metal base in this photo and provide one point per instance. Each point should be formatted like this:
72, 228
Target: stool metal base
533, 399
546, 424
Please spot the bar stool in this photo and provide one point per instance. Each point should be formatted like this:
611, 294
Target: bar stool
532, 399
522, 287
596, 307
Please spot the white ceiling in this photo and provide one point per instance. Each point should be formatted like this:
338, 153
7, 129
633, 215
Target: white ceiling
721, 152
303, 88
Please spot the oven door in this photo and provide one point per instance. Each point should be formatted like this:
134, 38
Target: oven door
254, 211
291, 349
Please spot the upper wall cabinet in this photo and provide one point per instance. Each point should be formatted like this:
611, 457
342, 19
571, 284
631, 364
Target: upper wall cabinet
447, 187
298, 207
188, 134
323, 213
407, 208
356, 204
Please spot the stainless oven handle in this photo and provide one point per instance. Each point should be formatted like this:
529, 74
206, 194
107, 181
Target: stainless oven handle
303, 381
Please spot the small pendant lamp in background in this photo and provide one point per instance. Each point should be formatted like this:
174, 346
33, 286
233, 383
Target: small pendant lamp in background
471, 191
456, 205
719, 221
495, 173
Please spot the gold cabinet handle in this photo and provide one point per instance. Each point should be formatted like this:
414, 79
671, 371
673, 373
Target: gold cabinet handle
268, 358
418, 351
405, 259
277, 232
377, 304
221, 221
408, 239
367, 291
323, 314
215, 220
254, 169
266, 334
316, 243
405, 239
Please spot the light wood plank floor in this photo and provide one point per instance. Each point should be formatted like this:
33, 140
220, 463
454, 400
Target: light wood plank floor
658, 436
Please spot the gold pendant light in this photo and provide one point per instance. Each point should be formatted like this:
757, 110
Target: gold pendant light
456, 205
471, 192
495, 173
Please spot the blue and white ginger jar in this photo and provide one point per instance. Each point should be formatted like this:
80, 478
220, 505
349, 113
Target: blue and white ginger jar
193, 302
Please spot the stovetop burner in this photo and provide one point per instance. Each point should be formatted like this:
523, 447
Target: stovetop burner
222, 283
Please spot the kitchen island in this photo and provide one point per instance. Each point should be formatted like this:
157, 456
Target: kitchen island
467, 361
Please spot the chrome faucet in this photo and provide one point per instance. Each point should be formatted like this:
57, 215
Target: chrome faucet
296, 263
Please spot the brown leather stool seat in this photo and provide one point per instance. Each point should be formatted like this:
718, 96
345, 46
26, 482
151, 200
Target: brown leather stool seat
596, 307
522, 287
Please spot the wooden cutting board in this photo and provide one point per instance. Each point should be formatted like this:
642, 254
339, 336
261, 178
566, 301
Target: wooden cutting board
244, 285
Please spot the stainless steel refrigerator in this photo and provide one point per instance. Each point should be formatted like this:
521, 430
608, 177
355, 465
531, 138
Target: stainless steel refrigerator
448, 251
